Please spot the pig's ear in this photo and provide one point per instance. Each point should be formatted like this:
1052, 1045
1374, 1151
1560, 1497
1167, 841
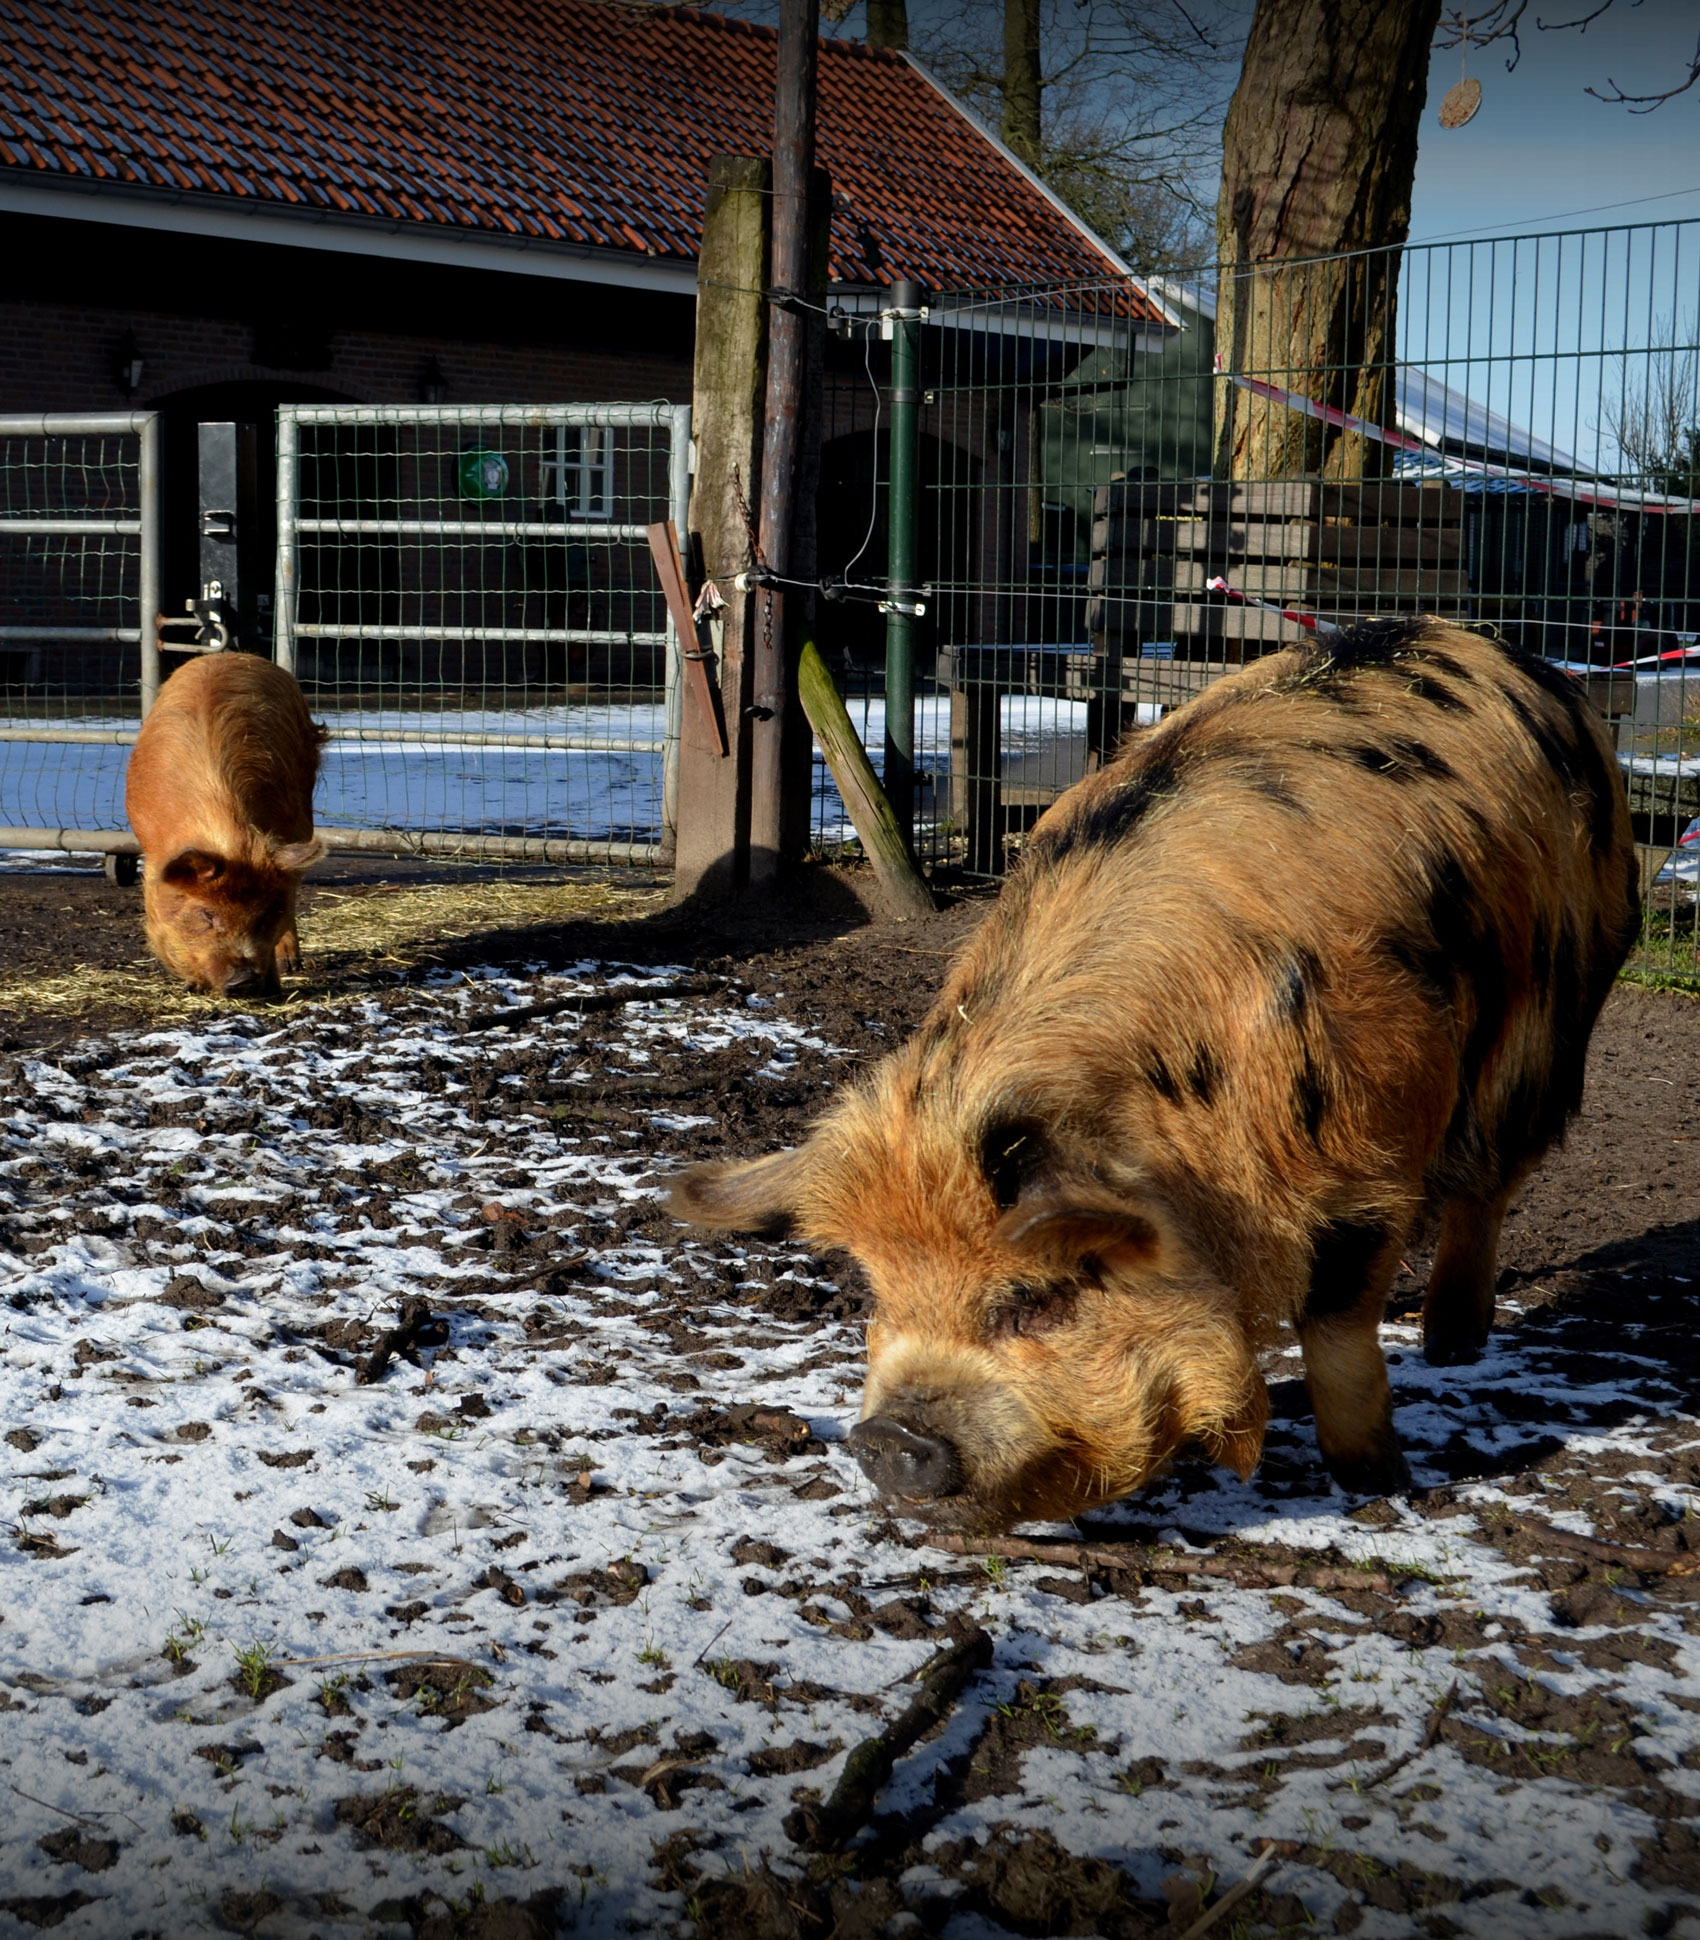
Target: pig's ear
298, 855
1063, 1224
755, 1196
193, 865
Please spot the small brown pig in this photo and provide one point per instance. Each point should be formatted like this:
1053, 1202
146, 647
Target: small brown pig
1308, 966
220, 794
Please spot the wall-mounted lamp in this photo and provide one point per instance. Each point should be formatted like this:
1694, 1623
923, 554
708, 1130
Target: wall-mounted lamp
129, 365
433, 385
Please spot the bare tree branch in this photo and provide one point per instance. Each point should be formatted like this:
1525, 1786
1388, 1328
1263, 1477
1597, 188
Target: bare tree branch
1644, 104
1502, 20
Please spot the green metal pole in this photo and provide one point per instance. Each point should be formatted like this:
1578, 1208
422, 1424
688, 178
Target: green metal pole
902, 602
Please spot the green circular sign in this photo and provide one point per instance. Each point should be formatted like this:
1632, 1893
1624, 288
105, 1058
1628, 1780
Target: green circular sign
483, 474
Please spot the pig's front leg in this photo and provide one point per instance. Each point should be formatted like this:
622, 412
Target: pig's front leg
289, 943
1353, 1267
1458, 1307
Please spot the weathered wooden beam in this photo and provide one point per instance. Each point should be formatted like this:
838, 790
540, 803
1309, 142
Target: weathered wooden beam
782, 436
901, 889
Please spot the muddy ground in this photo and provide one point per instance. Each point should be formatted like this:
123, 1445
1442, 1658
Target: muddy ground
609, 1604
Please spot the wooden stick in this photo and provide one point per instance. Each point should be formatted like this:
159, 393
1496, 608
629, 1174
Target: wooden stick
864, 800
64, 1812
1261, 1867
1157, 1562
831, 1826
588, 1001
1437, 1717
1652, 1562
378, 1656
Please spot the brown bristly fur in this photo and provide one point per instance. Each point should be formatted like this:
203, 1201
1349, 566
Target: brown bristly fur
219, 791
1312, 961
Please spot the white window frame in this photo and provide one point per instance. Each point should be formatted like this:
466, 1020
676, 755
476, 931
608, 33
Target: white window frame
584, 470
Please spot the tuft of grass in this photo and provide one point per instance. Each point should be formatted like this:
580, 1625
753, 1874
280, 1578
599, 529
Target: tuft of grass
252, 1667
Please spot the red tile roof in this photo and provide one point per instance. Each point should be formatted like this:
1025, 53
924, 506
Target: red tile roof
571, 122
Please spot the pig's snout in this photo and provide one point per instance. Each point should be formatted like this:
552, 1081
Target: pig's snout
902, 1461
250, 979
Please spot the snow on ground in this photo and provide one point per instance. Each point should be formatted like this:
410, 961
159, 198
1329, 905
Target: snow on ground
284, 1652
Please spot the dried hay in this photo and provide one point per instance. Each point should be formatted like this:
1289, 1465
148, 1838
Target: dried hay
349, 936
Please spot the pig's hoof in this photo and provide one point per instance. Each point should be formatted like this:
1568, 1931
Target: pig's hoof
1451, 1350
1373, 1475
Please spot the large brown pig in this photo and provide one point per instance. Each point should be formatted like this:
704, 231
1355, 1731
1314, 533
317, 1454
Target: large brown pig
220, 795
1310, 963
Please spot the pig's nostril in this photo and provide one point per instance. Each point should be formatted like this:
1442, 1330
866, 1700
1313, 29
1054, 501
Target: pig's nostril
901, 1461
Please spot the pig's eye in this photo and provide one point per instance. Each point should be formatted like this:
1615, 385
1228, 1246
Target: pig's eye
1026, 1311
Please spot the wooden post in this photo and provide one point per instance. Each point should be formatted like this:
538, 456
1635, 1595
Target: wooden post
901, 889
793, 163
797, 823
728, 390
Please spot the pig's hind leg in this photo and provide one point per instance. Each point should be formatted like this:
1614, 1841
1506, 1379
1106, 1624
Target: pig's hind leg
1458, 1307
1352, 1268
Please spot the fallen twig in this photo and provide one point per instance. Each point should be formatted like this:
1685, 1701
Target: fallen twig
419, 1328
377, 1656
830, 1826
1261, 1867
588, 1001
1245, 1574
1629, 1556
63, 1811
1436, 1718
701, 1654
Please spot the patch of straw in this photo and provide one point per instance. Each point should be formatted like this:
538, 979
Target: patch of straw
347, 936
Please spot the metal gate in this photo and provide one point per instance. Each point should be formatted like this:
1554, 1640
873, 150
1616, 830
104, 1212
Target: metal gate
465, 593
467, 597
79, 591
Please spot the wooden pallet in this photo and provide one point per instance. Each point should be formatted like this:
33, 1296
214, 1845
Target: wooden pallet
1339, 551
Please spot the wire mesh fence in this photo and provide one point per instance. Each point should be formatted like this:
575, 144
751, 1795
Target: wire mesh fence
468, 599
79, 568
1130, 487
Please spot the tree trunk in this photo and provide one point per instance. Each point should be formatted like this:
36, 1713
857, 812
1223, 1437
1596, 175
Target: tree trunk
888, 23
1023, 81
1318, 156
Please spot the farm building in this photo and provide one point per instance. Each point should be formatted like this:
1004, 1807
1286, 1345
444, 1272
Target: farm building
243, 206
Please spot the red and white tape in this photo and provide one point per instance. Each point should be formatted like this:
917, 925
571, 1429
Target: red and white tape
1310, 620
1402, 441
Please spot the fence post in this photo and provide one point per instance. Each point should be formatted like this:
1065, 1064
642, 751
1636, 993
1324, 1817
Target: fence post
772, 732
150, 482
679, 511
901, 604
728, 386
283, 613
